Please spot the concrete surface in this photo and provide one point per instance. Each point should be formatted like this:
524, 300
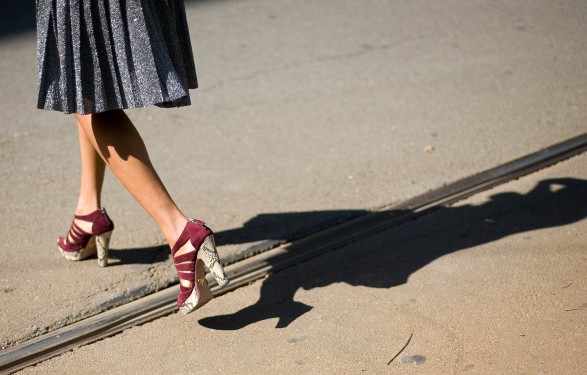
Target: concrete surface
493, 285
308, 111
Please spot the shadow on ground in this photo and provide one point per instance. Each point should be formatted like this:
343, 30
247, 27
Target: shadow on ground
388, 259
264, 231
17, 16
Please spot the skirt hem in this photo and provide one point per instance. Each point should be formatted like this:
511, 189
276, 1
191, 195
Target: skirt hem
183, 101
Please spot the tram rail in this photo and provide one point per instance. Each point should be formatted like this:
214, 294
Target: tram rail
248, 270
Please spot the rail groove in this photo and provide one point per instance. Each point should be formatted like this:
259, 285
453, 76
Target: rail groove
250, 269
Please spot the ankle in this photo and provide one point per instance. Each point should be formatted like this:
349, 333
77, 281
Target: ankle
87, 206
86, 210
175, 229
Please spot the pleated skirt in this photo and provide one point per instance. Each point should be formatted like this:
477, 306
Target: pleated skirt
99, 55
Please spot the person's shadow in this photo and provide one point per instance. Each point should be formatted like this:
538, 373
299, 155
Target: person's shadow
388, 259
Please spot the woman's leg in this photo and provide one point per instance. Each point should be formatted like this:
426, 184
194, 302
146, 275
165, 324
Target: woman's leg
90, 191
93, 168
118, 143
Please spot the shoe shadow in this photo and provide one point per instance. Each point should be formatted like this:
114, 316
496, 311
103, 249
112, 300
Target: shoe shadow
139, 255
389, 258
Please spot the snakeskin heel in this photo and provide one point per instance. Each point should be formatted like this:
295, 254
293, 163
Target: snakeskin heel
79, 244
194, 289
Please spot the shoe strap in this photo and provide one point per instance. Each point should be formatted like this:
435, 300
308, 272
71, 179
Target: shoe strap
101, 223
191, 233
88, 217
78, 236
195, 232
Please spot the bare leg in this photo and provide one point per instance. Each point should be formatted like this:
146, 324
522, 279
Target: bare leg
118, 143
92, 179
120, 146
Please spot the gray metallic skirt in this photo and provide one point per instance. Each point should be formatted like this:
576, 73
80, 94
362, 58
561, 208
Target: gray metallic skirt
100, 55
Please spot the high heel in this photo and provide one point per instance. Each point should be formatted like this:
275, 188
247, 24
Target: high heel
79, 244
195, 291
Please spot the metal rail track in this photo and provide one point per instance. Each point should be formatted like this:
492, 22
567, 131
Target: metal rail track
248, 270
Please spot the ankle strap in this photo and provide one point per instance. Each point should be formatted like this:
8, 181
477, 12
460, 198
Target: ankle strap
91, 216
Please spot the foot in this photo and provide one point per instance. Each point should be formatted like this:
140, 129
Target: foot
86, 234
194, 249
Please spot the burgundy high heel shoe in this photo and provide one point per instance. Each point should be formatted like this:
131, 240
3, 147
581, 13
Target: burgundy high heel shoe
190, 266
79, 244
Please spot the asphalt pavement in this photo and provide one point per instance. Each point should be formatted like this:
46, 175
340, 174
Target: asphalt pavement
492, 285
308, 113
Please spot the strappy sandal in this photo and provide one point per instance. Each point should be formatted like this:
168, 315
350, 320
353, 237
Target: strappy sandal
79, 244
194, 289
